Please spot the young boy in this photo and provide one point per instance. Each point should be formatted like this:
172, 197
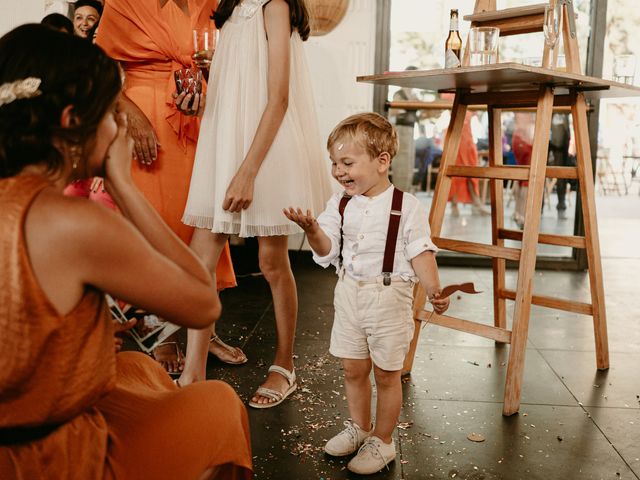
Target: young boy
373, 323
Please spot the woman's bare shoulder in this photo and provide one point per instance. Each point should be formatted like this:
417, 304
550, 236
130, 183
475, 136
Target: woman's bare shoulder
68, 220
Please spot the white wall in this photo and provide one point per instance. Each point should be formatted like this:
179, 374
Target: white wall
17, 12
337, 58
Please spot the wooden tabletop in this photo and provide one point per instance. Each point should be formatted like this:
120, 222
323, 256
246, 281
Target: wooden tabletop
500, 77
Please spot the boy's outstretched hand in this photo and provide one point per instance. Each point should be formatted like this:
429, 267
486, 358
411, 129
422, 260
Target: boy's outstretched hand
306, 221
440, 305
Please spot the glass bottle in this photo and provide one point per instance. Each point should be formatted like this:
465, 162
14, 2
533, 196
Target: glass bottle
453, 44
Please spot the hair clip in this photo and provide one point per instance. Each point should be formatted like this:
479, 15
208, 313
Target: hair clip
26, 88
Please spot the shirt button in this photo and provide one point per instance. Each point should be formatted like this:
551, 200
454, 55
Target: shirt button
353, 258
360, 236
366, 212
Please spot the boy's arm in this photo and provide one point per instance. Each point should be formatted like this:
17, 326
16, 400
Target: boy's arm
318, 240
422, 253
426, 269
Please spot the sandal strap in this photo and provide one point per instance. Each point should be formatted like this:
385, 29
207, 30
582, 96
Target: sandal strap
218, 341
289, 375
269, 393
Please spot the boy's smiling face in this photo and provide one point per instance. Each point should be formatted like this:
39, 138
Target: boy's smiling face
358, 173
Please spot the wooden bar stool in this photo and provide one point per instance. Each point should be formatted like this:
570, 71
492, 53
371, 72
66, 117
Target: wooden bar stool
511, 86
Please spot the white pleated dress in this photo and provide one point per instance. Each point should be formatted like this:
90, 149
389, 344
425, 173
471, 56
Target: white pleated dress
295, 171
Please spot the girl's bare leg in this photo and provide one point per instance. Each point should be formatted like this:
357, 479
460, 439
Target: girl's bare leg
208, 246
274, 264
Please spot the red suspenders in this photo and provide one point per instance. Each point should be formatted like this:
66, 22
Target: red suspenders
392, 235
343, 204
392, 232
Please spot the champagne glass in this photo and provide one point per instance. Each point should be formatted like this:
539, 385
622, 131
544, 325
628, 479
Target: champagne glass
204, 43
551, 26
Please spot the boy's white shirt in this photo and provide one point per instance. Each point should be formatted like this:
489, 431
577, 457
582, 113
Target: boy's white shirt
366, 220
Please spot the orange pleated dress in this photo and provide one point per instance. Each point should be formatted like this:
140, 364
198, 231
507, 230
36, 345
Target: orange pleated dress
70, 408
151, 42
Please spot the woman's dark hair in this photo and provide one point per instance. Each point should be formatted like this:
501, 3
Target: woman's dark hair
89, 3
299, 16
57, 21
72, 72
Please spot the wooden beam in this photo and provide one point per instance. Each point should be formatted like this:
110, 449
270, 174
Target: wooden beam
562, 172
546, 238
552, 302
505, 13
516, 172
515, 26
474, 248
488, 331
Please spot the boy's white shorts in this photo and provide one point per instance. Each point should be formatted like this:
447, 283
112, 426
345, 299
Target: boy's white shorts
373, 320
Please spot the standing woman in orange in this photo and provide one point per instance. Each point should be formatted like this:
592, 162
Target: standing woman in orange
465, 190
151, 39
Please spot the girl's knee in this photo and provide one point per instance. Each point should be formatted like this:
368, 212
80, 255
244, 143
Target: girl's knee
274, 267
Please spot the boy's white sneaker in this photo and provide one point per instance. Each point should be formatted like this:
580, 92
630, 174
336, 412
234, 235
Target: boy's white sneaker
373, 456
347, 441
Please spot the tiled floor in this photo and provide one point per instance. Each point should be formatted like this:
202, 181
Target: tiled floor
575, 422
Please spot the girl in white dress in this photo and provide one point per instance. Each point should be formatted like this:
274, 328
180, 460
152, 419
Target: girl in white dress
259, 151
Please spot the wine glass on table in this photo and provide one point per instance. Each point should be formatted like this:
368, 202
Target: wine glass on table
551, 25
204, 44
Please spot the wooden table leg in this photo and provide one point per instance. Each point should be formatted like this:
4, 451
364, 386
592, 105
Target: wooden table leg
497, 217
438, 206
527, 264
587, 196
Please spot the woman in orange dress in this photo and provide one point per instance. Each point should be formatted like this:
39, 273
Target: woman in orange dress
69, 406
465, 190
151, 39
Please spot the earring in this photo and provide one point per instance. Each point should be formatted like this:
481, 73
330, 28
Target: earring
75, 152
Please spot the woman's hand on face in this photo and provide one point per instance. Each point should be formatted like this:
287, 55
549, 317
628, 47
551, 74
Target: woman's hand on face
141, 130
118, 162
239, 193
190, 103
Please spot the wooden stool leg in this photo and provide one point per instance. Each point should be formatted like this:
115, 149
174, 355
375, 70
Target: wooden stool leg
587, 196
527, 264
419, 299
436, 216
497, 217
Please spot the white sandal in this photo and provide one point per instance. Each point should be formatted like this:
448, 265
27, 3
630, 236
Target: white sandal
276, 396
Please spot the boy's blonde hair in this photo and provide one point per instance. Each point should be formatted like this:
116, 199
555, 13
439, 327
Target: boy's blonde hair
371, 130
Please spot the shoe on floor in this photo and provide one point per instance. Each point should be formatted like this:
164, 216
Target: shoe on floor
275, 397
347, 441
373, 456
562, 214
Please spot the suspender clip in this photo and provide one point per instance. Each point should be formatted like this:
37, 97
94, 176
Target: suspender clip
386, 279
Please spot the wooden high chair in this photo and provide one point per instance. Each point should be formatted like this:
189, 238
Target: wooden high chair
543, 96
